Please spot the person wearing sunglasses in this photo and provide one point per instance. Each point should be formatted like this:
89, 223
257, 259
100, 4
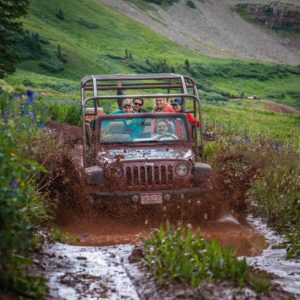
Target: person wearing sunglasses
138, 105
177, 104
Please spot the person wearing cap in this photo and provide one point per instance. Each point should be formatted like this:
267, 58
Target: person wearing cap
133, 127
126, 108
177, 104
161, 105
138, 105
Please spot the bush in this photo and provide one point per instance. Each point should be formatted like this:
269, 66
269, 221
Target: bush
177, 254
190, 3
276, 195
87, 24
21, 206
52, 64
60, 15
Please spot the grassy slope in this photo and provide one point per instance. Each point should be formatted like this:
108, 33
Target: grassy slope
87, 51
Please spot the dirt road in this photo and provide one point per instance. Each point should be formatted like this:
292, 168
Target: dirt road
107, 272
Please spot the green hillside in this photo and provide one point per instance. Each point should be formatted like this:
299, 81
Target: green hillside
94, 38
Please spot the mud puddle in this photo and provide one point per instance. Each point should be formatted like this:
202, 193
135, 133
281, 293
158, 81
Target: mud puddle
99, 267
104, 231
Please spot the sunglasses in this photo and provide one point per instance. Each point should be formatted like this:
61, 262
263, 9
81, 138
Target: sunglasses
176, 104
138, 104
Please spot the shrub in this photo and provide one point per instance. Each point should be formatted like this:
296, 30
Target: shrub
60, 15
87, 24
276, 195
176, 254
21, 207
73, 115
190, 3
52, 64
29, 45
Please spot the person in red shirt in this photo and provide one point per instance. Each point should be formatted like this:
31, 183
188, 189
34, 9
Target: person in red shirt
161, 105
178, 107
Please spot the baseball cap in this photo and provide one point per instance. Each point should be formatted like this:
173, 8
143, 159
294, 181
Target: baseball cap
126, 102
176, 101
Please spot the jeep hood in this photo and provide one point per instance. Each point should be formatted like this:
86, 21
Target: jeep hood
144, 154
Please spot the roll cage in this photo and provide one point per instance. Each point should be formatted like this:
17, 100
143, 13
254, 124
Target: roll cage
96, 88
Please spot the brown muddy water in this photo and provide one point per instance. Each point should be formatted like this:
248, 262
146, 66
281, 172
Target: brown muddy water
104, 230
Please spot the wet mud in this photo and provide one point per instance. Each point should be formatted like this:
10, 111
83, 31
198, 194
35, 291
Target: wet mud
103, 230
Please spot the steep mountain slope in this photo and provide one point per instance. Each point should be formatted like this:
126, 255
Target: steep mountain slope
214, 28
78, 37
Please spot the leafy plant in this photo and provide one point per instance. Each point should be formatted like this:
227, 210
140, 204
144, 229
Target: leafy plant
21, 206
178, 254
63, 237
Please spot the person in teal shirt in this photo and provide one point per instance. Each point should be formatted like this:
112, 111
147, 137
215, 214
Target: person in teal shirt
133, 127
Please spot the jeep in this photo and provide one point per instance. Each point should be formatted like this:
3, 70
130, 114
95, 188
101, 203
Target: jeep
141, 158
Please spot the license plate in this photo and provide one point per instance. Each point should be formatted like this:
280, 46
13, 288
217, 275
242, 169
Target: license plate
151, 198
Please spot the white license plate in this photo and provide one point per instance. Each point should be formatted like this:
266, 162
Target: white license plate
151, 198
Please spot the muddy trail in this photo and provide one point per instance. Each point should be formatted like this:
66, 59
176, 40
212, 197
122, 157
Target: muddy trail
100, 265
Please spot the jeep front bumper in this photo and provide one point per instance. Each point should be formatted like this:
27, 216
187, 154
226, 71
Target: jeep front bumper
147, 197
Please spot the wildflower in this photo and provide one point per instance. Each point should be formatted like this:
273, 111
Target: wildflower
247, 139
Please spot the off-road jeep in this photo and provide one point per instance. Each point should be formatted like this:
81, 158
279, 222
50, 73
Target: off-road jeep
143, 158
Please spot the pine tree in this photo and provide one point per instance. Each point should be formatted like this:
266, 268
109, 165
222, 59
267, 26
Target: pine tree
187, 64
11, 26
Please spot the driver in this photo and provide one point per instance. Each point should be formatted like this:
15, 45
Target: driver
161, 127
162, 131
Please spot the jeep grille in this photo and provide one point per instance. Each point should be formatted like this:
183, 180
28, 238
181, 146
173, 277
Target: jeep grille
149, 175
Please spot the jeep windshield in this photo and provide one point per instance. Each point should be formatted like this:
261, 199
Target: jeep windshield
136, 128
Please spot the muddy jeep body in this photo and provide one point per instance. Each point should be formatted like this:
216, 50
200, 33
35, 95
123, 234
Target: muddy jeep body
142, 170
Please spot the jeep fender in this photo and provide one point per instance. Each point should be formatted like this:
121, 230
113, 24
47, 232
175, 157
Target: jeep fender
201, 171
94, 175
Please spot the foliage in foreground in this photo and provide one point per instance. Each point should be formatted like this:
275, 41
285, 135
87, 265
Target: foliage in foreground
21, 205
271, 172
276, 195
178, 254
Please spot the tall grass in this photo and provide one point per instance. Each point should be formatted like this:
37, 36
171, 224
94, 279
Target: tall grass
269, 169
276, 195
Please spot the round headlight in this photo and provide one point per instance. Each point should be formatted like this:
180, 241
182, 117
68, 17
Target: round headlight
114, 172
182, 170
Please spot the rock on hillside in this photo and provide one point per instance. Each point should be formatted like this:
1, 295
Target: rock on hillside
280, 16
215, 28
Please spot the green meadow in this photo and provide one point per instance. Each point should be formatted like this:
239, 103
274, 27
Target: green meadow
93, 38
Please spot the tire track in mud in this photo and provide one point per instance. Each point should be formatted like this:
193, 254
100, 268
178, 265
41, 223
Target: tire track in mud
75, 272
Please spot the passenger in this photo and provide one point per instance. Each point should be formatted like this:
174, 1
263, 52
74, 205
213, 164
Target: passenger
133, 127
161, 105
137, 105
178, 107
126, 108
